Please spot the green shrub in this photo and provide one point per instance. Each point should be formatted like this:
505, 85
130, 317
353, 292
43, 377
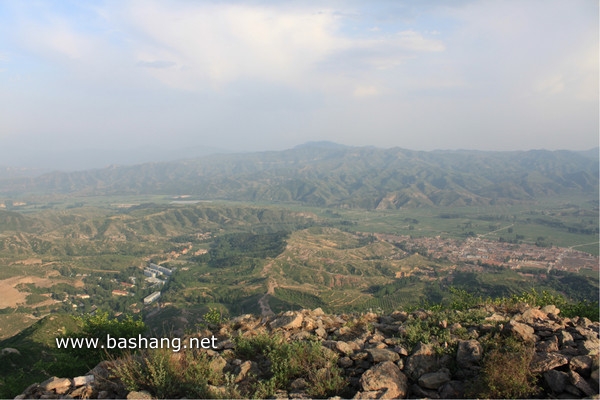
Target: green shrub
213, 316
99, 326
308, 360
463, 300
570, 309
166, 374
506, 373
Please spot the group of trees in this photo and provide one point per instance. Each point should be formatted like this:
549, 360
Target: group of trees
234, 249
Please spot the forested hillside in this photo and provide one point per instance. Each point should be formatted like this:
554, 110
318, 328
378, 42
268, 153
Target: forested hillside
324, 174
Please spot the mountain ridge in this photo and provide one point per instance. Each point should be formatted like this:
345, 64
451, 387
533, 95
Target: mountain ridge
327, 174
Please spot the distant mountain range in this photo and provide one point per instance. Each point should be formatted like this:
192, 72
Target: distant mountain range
329, 174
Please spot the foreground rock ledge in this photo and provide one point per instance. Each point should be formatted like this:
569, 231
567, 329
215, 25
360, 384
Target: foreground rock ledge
377, 365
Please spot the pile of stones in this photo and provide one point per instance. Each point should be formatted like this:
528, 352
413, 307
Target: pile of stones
377, 363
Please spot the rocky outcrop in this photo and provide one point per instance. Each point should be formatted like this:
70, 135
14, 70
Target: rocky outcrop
377, 361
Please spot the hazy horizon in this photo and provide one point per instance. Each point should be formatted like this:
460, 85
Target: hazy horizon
86, 159
138, 81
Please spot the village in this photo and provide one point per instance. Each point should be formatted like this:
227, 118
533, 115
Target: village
498, 253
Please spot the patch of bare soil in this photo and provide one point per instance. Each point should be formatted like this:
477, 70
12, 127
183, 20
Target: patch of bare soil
12, 297
29, 261
11, 324
263, 302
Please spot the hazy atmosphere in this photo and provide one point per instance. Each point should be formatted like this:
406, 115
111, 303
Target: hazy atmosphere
102, 78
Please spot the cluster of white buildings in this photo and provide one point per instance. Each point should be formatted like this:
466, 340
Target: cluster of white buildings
150, 298
154, 270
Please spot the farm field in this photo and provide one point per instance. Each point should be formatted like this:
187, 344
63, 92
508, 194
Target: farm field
80, 255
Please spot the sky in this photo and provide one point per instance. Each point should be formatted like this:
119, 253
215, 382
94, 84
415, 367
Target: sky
125, 75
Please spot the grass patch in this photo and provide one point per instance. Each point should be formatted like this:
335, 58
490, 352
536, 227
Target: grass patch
308, 360
166, 374
506, 373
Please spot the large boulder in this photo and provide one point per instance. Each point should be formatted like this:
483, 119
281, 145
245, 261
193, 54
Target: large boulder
288, 320
532, 315
385, 377
382, 355
556, 380
542, 362
433, 380
519, 330
421, 361
59, 385
469, 353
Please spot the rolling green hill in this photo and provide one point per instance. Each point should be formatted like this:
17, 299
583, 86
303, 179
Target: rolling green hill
321, 174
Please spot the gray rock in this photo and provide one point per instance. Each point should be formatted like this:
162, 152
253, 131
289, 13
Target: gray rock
388, 377
56, 384
522, 331
301, 335
557, 381
381, 355
363, 355
31, 389
595, 377
532, 315
422, 361
10, 350
83, 392
548, 345
343, 348
452, 390
454, 327
565, 339
420, 314
401, 350
298, 384
580, 383
83, 380
572, 392
218, 364
434, 380
400, 364
288, 320
417, 391
399, 316
244, 369
582, 365
101, 370
141, 395
317, 312
372, 394
550, 309
542, 362
345, 362
589, 347
320, 332
469, 353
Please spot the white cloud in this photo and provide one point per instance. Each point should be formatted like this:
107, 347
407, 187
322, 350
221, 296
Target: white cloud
290, 67
551, 85
220, 44
414, 41
366, 91
56, 37
211, 46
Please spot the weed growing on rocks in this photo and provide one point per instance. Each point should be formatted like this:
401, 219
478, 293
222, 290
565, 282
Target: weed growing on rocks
506, 371
166, 374
289, 361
